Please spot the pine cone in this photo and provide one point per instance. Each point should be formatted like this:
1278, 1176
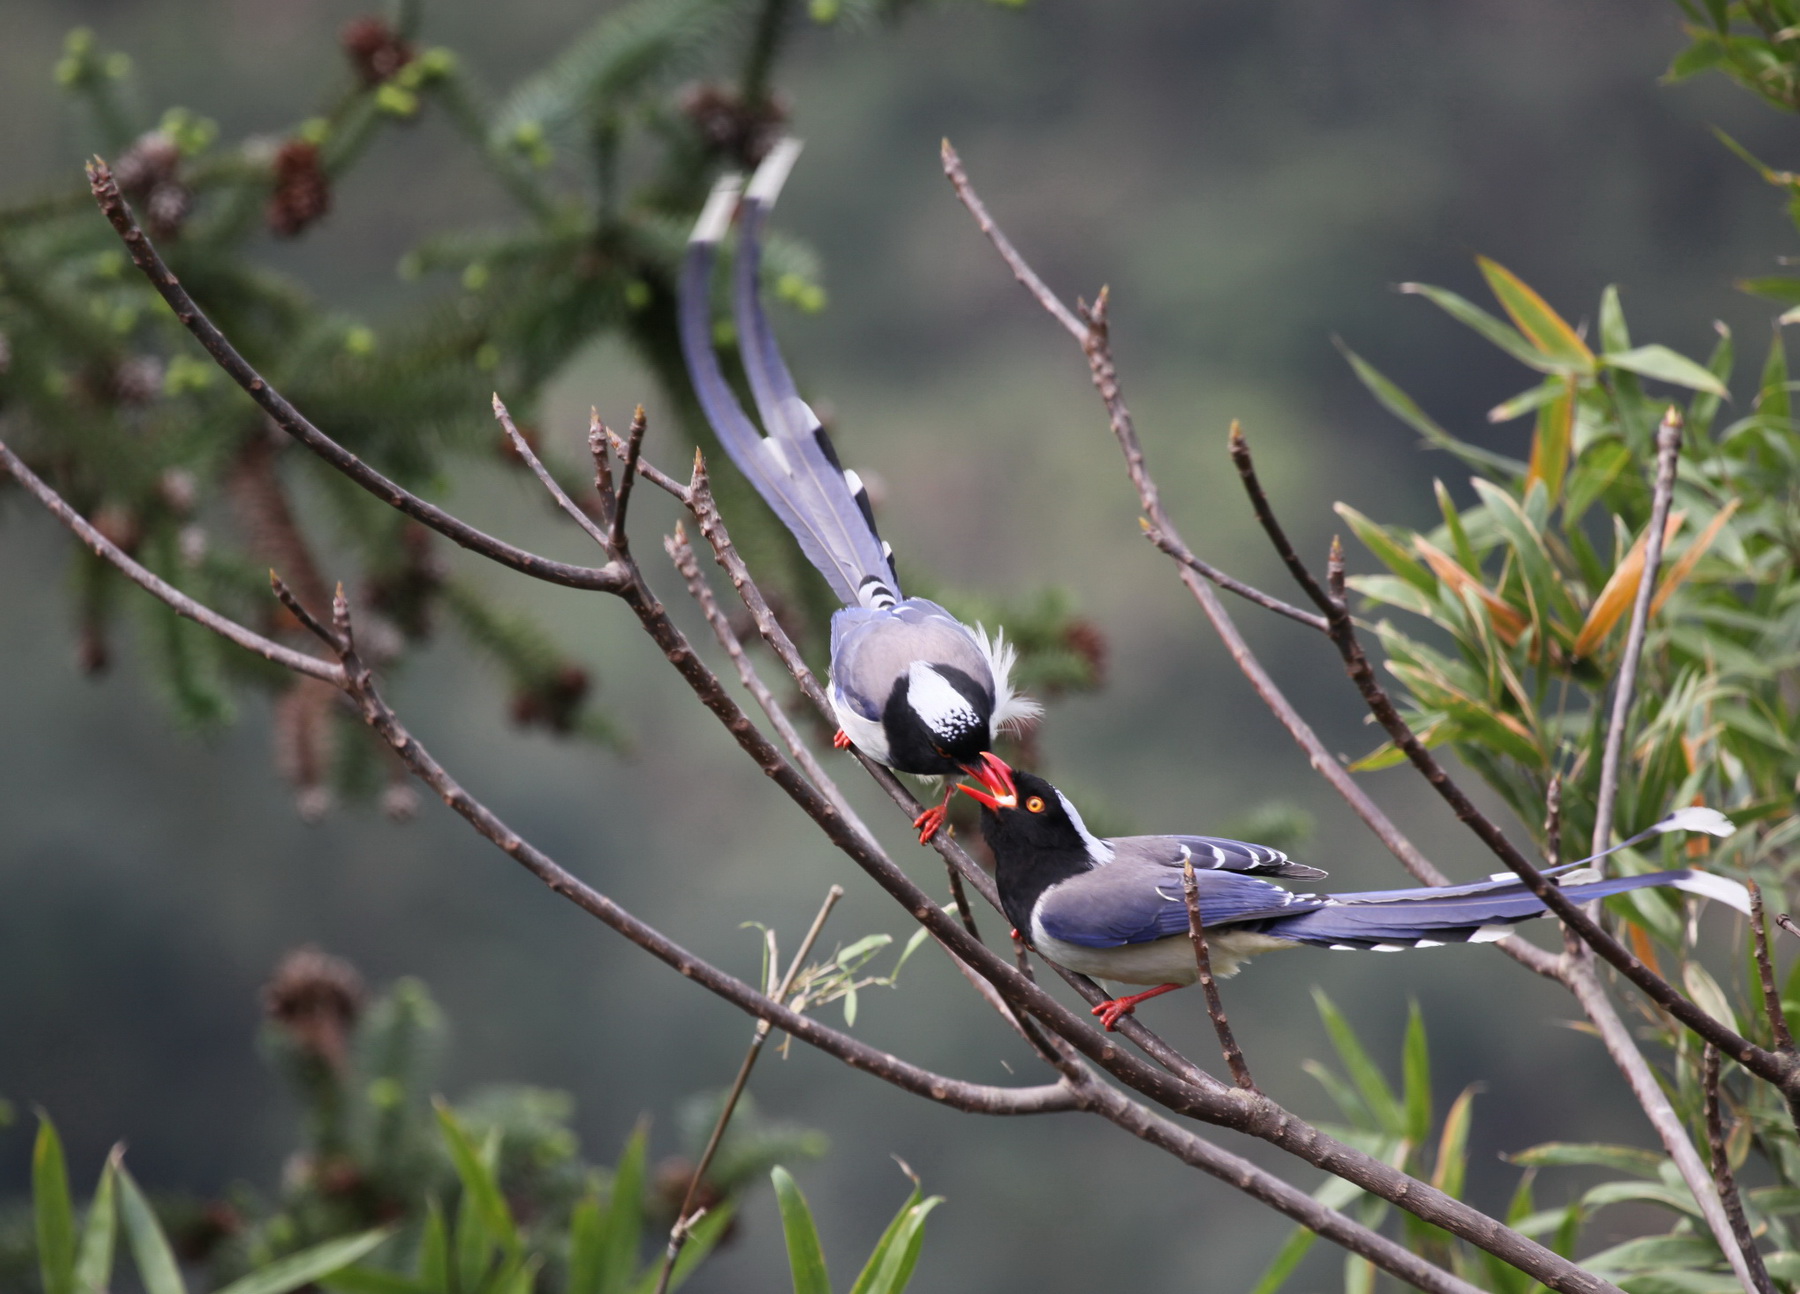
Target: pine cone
302, 193
375, 49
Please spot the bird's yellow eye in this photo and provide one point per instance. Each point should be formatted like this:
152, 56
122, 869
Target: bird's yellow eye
1035, 804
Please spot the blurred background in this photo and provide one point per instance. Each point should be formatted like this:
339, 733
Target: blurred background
1251, 180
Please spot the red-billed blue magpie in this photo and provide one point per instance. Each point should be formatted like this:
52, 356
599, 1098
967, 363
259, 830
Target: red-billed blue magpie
912, 686
1116, 908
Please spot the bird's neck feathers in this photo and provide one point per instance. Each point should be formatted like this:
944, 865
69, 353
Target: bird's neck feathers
1024, 868
1012, 710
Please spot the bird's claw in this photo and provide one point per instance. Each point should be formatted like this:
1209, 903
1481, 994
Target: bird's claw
841, 740
1113, 1010
930, 822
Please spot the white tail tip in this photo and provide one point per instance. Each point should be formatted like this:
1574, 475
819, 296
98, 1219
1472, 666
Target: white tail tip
1719, 889
766, 184
715, 216
1696, 817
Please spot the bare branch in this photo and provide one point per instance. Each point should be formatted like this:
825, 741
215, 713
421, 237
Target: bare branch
161, 589
1215, 1007
1668, 453
522, 447
298, 610
953, 168
1750, 1257
292, 421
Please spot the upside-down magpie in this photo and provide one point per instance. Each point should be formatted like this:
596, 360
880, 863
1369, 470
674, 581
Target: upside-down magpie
1116, 908
912, 686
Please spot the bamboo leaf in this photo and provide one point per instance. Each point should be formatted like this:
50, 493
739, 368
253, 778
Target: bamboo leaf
54, 1210
1415, 1067
624, 1218
1684, 565
1467, 313
1665, 365
886, 1241
1403, 407
1551, 445
1546, 330
1508, 622
1620, 591
155, 1260
805, 1258
1453, 1145
903, 1254
1628, 1159
308, 1265
1287, 1259
478, 1180
94, 1261
1363, 1072
1385, 547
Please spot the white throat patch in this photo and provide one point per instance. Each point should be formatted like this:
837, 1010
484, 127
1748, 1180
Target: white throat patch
944, 710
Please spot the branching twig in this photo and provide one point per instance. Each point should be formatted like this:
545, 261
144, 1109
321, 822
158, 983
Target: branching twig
684, 1216
292, 421
1765, 973
1215, 1007
167, 593
1668, 453
1727, 1183
1179, 551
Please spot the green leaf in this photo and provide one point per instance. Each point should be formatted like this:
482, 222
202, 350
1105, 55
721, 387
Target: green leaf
902, 1255
308, 1265
1526, 401
1415, 1066
1546, 330
434, 1250
1388, 549
623, 1222
1453, 1146
863, 947
373, 1280
1551, 442
156, 1266
1614, 335
481, 1187
1287, 1258
1628, 1159
55, 1211
1665, 365
94, 1263
587, 1253
1467, 313
805, 1258
882, 1245
1363, 1072
1402, 406
1773, 400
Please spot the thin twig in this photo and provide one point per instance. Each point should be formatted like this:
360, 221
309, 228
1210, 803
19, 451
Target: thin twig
522, 448
1765, 973
684, 1216
1179, 551
167, 593
144, 255
1786, 922
1668, 453
1215, 1007
1727, 1182
628, 471
1023, 272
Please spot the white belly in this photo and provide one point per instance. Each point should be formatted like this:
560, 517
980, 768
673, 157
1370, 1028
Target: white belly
1161, 961
867, 735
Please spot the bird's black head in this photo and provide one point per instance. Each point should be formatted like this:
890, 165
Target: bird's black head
1022, 813
1037, 837
938, 720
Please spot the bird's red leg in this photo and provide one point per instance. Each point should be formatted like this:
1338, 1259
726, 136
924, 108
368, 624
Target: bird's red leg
1115, 1009
841, 739
932, 819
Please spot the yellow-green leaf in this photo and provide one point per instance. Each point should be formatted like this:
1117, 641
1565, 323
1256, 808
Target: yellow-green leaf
1548, 331
1665, 365
1550, 446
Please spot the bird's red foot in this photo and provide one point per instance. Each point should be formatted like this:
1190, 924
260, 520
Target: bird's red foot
1115, 1009
841, 739
930, 822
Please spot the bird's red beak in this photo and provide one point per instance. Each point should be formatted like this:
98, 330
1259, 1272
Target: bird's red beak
996, 777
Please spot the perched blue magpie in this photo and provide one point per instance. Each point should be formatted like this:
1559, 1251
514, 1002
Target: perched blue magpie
1116, 908
912, 686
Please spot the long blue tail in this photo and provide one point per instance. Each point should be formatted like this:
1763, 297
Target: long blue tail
794, 467
1390, 920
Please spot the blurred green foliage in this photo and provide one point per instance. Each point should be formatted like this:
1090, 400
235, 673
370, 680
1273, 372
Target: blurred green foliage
605, 153
394, 1191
